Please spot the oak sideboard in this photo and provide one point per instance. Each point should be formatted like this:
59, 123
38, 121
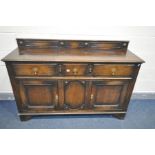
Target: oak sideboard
63, 77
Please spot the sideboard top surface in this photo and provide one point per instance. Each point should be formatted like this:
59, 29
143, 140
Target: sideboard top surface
73, 56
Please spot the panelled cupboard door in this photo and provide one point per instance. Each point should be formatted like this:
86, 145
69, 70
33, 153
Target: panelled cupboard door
38, 94
109, 94
75, 94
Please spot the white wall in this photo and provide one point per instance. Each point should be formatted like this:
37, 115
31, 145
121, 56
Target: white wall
142, 43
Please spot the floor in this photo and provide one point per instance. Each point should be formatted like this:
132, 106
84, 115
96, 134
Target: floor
141, 115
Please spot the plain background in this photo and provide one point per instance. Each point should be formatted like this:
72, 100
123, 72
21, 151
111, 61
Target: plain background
68, 15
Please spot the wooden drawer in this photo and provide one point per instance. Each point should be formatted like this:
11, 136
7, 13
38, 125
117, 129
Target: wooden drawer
35, 69
75, 69
113, 70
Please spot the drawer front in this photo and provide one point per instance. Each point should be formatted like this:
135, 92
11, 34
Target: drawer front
35, 69
113, 70
75, 69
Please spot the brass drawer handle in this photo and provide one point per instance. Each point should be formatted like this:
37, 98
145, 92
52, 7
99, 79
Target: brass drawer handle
113, 71
35, 70
75, 71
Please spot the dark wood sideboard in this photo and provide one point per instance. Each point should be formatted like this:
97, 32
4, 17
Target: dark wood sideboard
58, 77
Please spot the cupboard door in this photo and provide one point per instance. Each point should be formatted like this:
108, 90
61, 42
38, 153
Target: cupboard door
38, 94
75, 94
109, 94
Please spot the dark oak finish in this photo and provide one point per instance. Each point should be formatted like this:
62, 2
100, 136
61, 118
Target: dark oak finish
109, 94
71, 56
74, 94
53, 77
74, 69
35, 69
38, 94
113, 70
29, 46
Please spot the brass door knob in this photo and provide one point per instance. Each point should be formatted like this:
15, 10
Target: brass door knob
35, 70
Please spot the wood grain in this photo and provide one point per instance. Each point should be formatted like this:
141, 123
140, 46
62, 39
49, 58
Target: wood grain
29, 46
77, 77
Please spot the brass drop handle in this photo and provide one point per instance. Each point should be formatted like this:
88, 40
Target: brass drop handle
113, 71
75, 71
35, 70
92, 97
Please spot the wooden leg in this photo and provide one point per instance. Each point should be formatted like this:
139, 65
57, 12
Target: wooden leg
119, 116
25, 117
